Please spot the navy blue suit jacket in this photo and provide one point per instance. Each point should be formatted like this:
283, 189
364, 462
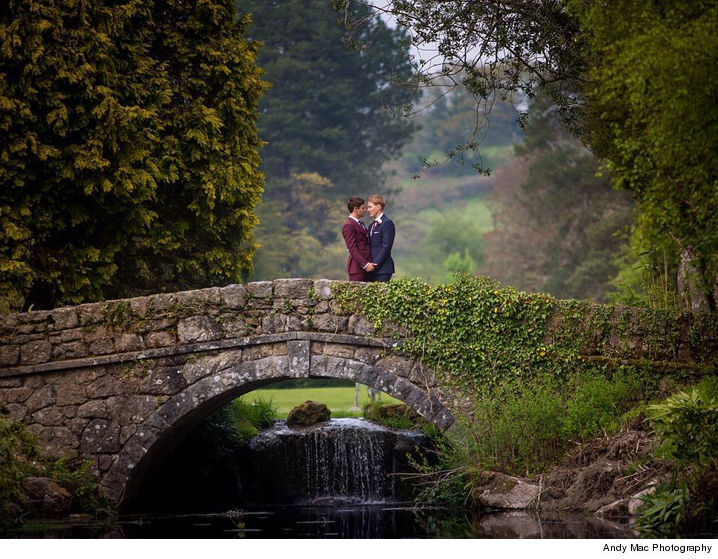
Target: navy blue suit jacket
381, 239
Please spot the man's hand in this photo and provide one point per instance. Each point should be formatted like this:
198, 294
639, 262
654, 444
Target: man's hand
370, 267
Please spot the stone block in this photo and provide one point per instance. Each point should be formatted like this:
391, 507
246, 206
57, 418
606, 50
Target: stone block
15, 412
132, 409
70, 393
95, 409
329, 323
128, 342
10, 382
102, 347
51, 415
367, 355
228, 358
257, 352
100, 437
71, 335
71, 350
323, 289
233, 296
17, 394
42, 398
58, 442
158, 304
274, 323
297, 323
126, 432
233, 326
296, 288
164, 380
77, 424
138, 306
396, 365
105, 386
196, 300
195, 370
163, 338
338, 350
421, 375
299, 358
35, 352
273, 367
360, 326
321, 307
200, 328
34, 317
8, 323
9, 355
65, 318
105, 462
92, 313
260, 289
99, 333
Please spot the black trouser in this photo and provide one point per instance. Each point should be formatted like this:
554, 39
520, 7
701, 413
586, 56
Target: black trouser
379, 277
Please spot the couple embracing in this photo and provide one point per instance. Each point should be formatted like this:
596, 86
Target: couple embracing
369, 249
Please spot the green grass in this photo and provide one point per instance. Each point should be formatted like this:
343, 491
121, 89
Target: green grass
339, 399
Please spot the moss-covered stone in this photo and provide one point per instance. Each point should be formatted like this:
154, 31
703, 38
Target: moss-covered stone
308, 413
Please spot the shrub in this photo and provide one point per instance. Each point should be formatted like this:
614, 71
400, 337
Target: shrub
20, 457
598, 402
250, 417
688, 425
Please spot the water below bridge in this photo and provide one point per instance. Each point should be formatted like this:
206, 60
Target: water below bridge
334, 480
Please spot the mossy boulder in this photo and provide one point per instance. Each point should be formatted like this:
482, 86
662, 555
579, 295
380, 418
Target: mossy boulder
394, 415
308, 413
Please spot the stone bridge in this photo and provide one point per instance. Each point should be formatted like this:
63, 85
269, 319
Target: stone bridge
120, 382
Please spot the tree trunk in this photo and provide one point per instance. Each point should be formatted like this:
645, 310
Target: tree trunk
691, 284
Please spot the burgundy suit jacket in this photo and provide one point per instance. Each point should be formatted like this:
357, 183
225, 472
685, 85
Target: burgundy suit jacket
357, 241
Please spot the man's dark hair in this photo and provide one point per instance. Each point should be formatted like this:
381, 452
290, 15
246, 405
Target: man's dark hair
354, 202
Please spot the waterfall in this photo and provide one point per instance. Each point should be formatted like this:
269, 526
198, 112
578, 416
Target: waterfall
343, 460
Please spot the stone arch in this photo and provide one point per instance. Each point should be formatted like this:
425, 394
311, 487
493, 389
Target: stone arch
231, 376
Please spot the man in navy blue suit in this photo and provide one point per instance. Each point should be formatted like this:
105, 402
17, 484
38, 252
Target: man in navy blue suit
381, 239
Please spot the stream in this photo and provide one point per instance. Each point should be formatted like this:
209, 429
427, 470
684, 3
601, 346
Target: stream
338, 479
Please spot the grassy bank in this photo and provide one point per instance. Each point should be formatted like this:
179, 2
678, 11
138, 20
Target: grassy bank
339, 400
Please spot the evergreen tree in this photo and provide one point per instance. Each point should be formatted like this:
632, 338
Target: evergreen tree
129, 154
326, 112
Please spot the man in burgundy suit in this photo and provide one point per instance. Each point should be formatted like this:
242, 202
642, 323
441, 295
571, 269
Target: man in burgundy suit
356, 238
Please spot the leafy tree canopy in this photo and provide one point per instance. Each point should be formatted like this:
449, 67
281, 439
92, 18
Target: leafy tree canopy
130, 152
632, 80
651, 106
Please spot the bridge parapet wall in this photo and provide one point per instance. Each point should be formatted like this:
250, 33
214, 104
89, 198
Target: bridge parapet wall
42, 341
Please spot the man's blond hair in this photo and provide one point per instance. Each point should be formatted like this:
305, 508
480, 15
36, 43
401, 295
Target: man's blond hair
378, 200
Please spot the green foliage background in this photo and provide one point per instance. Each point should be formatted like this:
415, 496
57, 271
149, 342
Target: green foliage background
652, 114
130, 152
